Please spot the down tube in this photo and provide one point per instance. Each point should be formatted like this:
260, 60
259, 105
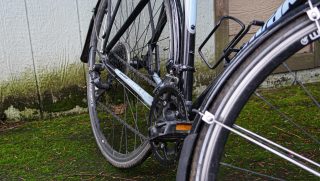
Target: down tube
189, 49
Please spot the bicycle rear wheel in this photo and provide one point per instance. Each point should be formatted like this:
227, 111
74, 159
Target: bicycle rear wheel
119, 118
288, 116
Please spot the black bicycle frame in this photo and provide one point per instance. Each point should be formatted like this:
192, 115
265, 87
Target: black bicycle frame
187, 58
135, 13
186, 85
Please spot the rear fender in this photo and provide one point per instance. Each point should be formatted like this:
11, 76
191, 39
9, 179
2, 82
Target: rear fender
85, 51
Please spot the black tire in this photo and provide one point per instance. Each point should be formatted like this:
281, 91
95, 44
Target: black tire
240, 87
119, 144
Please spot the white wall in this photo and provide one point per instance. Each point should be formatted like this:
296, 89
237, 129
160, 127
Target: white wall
55, 31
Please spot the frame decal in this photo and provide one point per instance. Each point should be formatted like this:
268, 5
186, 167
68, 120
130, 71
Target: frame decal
147, 98
282, 10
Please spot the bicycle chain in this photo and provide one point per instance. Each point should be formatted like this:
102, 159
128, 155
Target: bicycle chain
135, 71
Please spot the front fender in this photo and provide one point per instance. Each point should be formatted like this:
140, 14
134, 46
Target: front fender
85, 51
215, 88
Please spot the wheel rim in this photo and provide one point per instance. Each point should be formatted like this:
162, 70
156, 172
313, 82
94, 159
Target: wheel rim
235, 162
119, 117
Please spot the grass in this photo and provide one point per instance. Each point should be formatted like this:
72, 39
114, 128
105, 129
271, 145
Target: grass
61, 149
64, 148
258, 117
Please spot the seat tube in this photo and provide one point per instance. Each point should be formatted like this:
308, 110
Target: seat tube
189, 49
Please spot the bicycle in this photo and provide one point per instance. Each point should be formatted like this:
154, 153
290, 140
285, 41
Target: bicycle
140, 57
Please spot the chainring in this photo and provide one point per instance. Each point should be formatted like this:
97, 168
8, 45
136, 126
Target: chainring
168, 107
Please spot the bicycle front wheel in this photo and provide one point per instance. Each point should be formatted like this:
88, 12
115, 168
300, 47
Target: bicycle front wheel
119, 117
287, 116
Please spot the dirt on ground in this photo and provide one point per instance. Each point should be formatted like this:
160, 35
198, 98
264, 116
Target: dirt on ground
6, 126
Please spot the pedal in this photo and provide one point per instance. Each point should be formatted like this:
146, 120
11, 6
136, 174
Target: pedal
170, 131
167, 140
169, 124
185, 127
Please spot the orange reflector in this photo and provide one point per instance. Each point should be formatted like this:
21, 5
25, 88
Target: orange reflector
183, 127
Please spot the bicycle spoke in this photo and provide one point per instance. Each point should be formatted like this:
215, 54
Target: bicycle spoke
133, 115
166, 38
121, 138
283, 115
137, 30
117, 26
250, 171
134, 25
262, 139
145, 38
123, 133
105, 108
301, 84
136, 117
123, 18
267, 145
151, 17
126, 136
113, 126
125, 115
128, 14
145, 31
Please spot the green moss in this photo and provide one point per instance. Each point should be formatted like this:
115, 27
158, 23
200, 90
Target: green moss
64, 99
65, 149
12, 114
29, 114
60, 89
64, 88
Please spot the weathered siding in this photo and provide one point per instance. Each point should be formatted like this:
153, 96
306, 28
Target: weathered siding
54, 28
54, 34
40, 44
248, 10
41, 41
